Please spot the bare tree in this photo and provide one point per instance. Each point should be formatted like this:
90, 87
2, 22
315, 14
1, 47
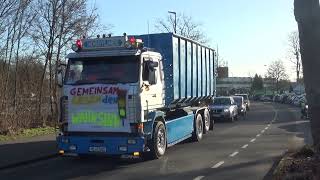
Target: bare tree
277, 72
307, 14
185, 25
295, 56
34, 36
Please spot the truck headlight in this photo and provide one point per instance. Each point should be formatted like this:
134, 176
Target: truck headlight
72, 147
123, 148
65, 140
132, 141
226, 110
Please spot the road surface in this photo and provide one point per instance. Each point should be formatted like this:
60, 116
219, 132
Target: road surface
245, 149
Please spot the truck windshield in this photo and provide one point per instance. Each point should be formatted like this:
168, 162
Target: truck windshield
121, 69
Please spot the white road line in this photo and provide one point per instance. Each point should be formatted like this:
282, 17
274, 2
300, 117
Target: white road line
245, 146
269, 125
252, 140
258, 135
198, 178
234, 154
266, 128
218, 164
263, 131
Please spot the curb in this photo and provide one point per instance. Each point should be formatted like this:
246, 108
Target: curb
17, 164
276, 163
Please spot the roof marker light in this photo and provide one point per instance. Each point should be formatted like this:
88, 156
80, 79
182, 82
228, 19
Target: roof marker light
79, 43
77, 46
132, 40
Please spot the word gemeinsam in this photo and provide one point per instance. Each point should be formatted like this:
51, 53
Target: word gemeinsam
80, 91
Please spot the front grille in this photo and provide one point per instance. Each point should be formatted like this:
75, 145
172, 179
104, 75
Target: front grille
217, 111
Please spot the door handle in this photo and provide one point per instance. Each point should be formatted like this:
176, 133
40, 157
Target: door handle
154, 95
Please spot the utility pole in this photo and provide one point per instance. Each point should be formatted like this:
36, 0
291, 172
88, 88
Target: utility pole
175, 20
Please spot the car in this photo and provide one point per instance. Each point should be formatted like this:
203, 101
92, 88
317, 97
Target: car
242, 108
224, 107
246, 100
266, 98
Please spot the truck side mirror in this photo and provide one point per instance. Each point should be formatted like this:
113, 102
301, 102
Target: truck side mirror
149, 72
153, 64
152, 77
60, 74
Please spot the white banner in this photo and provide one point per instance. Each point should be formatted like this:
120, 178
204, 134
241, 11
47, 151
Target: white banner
97, 108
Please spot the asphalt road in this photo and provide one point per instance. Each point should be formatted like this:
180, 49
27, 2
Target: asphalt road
245, 149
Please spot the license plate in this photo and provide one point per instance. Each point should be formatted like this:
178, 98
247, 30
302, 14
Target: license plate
97, 149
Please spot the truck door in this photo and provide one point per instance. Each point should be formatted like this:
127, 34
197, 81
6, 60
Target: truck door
152, 88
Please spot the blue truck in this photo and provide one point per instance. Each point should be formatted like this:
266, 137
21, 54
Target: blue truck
135, 95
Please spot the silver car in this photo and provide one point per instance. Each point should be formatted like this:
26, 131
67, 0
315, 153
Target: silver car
246, 100
224, 108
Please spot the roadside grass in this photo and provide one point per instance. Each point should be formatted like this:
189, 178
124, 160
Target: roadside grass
29, 133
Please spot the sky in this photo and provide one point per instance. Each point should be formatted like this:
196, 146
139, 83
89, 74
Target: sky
248, 33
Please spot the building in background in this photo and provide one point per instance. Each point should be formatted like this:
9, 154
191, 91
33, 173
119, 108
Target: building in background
223, 72
232, 85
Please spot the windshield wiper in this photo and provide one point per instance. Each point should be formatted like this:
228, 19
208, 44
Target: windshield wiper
83, 82
108, 79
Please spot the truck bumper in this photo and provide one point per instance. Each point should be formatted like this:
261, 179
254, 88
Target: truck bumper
75, 145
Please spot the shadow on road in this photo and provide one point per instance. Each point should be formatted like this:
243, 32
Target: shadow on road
301, 130
13, 154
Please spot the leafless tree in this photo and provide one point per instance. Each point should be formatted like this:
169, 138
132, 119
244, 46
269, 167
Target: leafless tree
59, 22
277, 72
186, 26
34, 37
307, 14
294, 52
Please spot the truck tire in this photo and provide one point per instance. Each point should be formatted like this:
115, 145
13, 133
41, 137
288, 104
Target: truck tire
206, 121
198, 128
158, 143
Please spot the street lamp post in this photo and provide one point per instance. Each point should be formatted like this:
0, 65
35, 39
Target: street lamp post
175, 20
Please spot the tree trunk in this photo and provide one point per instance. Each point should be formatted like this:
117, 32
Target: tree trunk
307, 14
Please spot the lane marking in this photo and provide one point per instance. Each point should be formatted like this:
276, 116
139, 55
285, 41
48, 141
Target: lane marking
252, 140
198, 178
269, 125
258, 135
218, 165
262, 131
266, 128
234, 154
245, 146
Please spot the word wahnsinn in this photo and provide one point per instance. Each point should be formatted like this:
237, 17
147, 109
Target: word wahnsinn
97, 118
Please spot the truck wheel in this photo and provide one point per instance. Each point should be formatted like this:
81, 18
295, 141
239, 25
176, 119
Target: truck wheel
198, 128
158, 143
206, 121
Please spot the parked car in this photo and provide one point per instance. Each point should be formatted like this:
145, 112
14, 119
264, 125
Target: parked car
224, 107
266, 98
242, 109
246, 100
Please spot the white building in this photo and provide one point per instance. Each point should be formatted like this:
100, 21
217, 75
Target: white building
231, 85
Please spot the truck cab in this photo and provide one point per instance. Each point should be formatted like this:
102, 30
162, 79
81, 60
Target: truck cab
118, 97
